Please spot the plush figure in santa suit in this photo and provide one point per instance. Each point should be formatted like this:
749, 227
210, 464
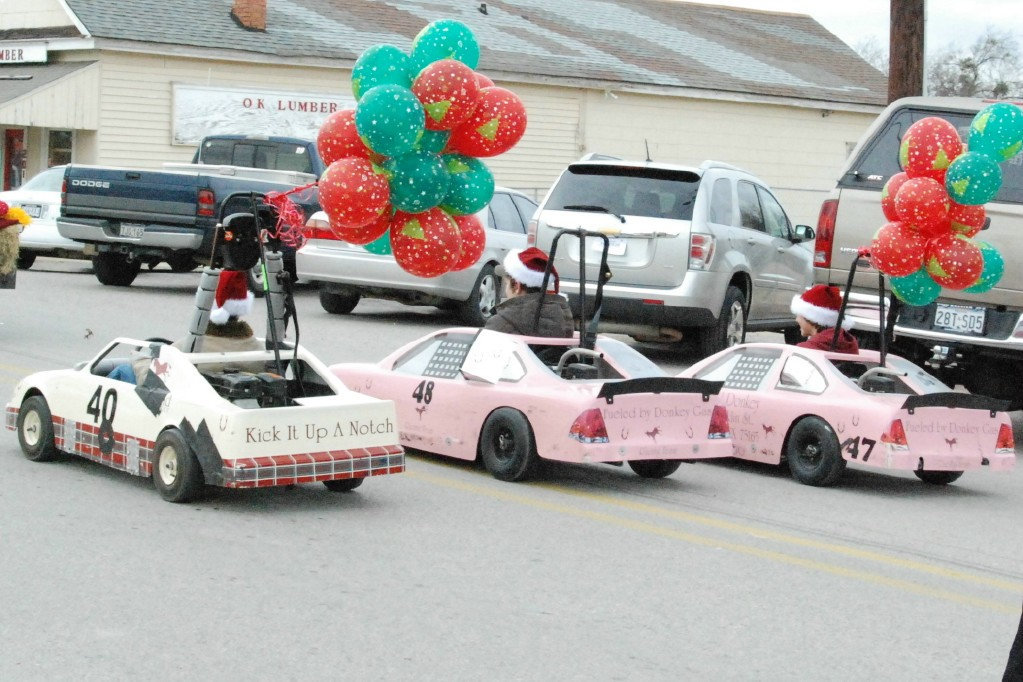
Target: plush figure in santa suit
11, 220
816, 311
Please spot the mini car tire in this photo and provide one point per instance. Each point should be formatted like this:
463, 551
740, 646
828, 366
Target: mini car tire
938, 477
35, 430
339, 303
486, 294
730, 328
177, 474
813, 452
655, 468
344, 485
507, 446
26, 259
115, 269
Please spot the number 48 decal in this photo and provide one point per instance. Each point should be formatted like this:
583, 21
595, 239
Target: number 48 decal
852, 446
423, 392
109, 405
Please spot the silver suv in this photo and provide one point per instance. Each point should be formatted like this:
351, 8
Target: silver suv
345, 272
705, 253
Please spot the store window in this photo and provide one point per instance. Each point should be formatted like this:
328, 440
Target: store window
59, 149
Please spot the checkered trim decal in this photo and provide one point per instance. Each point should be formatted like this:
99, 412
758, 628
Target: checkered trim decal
128, 453
258, 472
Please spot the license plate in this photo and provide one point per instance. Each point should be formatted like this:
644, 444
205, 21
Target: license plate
33, 210
615, 246
959, 318
132, 230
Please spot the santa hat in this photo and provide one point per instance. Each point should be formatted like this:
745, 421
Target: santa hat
820, 304
527, 267
233, 298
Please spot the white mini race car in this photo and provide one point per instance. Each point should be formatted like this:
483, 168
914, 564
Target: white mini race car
197, 419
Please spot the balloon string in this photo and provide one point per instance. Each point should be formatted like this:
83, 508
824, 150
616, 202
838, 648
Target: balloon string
290, 218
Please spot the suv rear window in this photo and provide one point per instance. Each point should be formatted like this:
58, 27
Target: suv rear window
625, 190
880, 160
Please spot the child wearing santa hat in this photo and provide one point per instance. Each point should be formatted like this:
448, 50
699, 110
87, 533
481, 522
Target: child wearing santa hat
816, 311
522, 272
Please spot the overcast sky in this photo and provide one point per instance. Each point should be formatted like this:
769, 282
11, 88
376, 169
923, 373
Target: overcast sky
947, 21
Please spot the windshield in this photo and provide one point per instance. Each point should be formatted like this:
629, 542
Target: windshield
635, 364
625, 190
49, 180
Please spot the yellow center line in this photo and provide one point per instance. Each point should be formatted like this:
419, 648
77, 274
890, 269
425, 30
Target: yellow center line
644, 527
745, 529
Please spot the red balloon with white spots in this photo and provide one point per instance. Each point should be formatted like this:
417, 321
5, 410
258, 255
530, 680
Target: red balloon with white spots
966, 220
426, 244
353, 192
366, 233
923, 203
953, 261
897, 250
338, 139
495, 125
483, 81
891, 188
474, 240
448, 91
928, 147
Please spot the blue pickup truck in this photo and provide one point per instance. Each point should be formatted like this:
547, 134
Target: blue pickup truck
134, 216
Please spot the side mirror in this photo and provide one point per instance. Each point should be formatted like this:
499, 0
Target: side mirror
803, 233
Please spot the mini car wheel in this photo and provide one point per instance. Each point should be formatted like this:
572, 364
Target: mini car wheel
176, 472
26, 259
115, 269
479, 307
344, 485
339, 303
730, 328
813, 452
506, 445
35, 430
655, 468
938, 477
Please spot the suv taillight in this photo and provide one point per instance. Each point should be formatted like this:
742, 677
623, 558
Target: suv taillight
531, 233
701, 251
589, 427
321, 233
825, 233
206, 203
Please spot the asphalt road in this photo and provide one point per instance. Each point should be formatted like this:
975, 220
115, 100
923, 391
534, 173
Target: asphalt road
723, 571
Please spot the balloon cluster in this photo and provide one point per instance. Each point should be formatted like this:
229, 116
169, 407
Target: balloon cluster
936, 205
404, 173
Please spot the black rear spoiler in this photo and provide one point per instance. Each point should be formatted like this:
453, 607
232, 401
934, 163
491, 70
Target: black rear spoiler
659, 385
968, 401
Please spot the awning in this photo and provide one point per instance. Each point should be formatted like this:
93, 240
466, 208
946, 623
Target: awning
58, 95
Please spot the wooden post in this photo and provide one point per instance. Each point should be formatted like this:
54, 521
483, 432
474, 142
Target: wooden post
906, 49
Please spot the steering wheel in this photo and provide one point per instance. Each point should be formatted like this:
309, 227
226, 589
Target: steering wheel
575, 352
158, 339
875, 372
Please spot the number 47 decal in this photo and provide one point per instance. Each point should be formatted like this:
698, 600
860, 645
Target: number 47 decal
852, 446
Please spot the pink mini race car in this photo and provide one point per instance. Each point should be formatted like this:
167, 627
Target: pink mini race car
515, 399
819, 410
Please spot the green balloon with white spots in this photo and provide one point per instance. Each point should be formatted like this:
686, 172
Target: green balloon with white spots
994, 268
917, 288
380, 65
997, 131
471, 186
973, 179
419, 181
444, 39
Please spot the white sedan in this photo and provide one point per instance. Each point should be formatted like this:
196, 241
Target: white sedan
40, 197
196, 419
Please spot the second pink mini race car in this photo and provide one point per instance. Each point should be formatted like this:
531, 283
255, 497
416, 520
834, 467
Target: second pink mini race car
819, 410
515, 399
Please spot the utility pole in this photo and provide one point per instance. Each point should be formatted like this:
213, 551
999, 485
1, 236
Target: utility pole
906, 49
